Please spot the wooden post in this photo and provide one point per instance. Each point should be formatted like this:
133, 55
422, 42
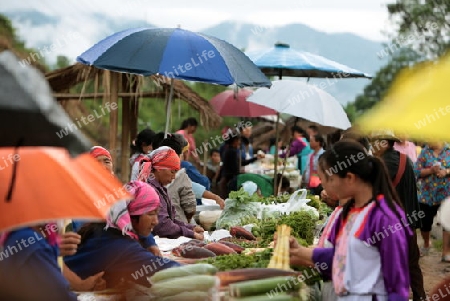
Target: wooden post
125, 153
114, 115
134, 114
126, 119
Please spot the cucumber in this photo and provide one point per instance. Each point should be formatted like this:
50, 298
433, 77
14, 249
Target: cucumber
184, 284
258, 287
186, 270
188, 296
265, 297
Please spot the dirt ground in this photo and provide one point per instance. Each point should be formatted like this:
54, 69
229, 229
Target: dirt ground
432, 268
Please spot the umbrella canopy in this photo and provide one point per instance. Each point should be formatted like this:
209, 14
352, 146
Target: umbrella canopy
175, 53
231, 103
416, 104
281, 60
302, 100
28, 113
50, 185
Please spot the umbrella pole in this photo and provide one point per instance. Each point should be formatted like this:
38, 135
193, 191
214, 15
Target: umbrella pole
168, 107
275, 175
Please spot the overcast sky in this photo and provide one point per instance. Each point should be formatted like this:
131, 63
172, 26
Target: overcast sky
367, 18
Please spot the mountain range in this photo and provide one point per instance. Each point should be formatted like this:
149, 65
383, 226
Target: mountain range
345, 48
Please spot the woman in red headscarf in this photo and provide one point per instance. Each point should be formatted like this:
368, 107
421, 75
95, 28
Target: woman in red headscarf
159, 170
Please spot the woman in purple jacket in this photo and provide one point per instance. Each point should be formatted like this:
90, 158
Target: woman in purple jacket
368, 257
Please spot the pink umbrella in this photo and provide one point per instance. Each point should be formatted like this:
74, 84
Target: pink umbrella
228, 103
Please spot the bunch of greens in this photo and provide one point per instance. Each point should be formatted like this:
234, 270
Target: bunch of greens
238, 207
237, 261
302, 223
242, 197
275, 199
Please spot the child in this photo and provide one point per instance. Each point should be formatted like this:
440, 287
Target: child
368, 257
213, 166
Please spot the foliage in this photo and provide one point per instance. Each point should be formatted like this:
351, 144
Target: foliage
302, 223
423, 22
8, 34
62, 61
238, 261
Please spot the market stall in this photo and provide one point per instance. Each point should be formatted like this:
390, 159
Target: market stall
239, 259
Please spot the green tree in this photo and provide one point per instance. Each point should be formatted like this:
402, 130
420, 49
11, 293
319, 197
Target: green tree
9, 39
62, 61
425, 24
381, 82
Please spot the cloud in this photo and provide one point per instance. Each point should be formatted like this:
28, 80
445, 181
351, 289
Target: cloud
365, 18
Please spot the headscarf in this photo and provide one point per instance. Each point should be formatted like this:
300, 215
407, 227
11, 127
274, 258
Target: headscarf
145, 199
98, 151
161, 158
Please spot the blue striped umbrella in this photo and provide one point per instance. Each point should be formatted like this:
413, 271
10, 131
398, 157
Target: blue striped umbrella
177, 54
281, 60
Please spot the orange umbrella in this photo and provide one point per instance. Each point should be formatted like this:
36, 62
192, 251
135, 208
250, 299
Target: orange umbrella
41, 184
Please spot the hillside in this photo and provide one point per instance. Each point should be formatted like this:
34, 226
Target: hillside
349, 49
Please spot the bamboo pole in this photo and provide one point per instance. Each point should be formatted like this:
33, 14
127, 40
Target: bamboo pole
275, 174
125, 147
114, 115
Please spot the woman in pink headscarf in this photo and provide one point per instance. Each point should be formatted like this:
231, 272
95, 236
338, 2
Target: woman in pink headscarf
116, 247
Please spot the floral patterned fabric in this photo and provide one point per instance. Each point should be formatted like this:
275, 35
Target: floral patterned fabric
432, 190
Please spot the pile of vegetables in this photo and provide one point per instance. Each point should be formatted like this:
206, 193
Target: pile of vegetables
236, 261
302, 224
188, 282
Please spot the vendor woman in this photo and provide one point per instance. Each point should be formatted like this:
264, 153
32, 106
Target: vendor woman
29, 268
368, 255
159, 170
115, 247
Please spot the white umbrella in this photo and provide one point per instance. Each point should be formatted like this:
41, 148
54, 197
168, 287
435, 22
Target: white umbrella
302, 100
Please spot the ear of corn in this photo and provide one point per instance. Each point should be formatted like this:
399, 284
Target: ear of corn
280, 257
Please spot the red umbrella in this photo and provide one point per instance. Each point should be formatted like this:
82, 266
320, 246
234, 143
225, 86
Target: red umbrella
228, 103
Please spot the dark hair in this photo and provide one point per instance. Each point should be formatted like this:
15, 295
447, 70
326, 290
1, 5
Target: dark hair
364, 141
315, 128
90, 229
285, 183
144, 137
391, 144
191, 121
232, 137
319, 138
172, 142
299, 130
368, 168
158, 139
214, 150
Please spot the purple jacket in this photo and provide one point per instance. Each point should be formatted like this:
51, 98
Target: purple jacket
393, 249
168, 226
296, 148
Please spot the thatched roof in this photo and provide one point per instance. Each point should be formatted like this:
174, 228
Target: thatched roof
23, 56
63, 79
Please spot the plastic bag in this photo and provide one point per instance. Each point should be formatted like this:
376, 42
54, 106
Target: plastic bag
234, 212
298, 202
250, 187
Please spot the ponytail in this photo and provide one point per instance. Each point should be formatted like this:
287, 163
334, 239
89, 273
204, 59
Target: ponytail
340, 160
382, 184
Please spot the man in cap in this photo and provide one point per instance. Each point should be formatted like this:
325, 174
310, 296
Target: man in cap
401, 171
